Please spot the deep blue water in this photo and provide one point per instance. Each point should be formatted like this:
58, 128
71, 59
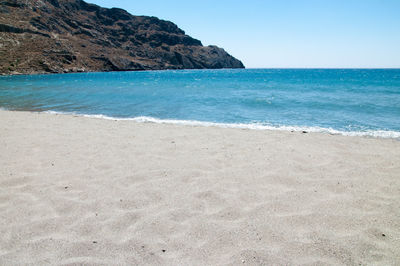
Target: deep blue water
350, 101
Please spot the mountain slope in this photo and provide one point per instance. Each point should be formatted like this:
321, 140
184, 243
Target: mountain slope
61, 36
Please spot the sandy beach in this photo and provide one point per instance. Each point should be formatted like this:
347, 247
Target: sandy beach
88, 191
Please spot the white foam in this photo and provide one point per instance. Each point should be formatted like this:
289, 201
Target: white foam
254, 126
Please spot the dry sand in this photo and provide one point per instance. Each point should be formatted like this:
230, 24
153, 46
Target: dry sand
77, 190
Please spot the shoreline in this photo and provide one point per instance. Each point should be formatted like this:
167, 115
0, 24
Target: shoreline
112, 71
75, 190
80, 72
373, 134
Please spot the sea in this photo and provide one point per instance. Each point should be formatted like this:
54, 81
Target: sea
354, 102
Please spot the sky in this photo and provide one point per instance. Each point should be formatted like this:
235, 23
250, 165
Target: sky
287, 33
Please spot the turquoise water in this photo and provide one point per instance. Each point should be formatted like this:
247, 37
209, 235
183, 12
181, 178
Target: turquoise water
350, 102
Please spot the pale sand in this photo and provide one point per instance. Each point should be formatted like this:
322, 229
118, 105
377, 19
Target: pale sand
77, 190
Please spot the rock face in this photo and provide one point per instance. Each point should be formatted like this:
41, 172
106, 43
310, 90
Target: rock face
59, 36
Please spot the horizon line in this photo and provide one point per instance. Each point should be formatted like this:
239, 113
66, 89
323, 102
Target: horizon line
395, 68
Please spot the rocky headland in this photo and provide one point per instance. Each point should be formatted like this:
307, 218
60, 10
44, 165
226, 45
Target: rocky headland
63, 36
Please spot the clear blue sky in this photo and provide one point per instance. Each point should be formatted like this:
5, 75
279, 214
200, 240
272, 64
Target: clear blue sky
287, 33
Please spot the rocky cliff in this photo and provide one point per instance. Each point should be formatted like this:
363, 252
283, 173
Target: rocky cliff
60, 36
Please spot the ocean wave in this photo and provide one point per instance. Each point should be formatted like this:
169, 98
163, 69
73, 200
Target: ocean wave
254, 126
